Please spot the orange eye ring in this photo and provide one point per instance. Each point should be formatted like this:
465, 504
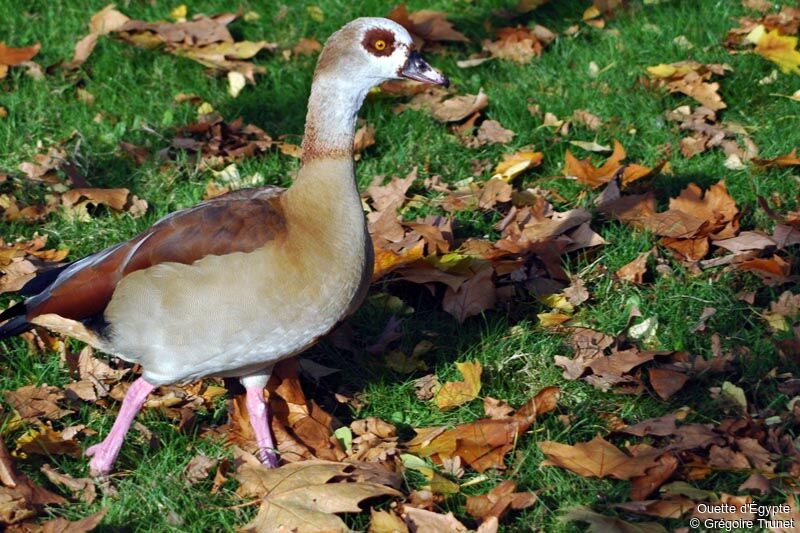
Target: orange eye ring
380, 45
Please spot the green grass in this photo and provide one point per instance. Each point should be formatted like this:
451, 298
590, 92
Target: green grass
135, 89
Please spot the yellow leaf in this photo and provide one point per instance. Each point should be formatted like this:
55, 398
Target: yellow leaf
179, 13
549, 320
776, 322
316, 14
205, 109
236, 82
514, 164
664, 70
591, 12
455, 393
780, 49
558, 302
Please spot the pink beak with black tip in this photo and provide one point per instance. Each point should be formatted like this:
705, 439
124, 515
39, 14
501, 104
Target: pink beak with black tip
418, 69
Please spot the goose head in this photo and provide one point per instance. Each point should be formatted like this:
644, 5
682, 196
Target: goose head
369, 51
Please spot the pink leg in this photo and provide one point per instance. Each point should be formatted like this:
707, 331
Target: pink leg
105, 453
259, 419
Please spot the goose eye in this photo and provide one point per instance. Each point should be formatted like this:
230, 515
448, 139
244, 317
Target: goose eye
380, 45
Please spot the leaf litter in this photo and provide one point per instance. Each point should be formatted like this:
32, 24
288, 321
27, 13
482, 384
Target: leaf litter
469, 276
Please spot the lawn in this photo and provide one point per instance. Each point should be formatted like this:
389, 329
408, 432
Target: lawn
602, 70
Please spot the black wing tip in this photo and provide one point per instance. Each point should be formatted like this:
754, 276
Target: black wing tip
15, 326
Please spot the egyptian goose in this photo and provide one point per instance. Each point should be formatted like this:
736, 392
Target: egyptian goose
231, 286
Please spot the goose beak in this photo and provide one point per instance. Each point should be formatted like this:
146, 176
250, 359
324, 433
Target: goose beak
418, 69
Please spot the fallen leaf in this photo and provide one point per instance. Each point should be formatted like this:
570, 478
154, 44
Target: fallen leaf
302, 496
43, 440
426, 386
497, 501
473, 297
492, 132
10, 57
596, 458
666, 382
484, 443
198, 468
426, 25
497, 409
780, 49
32, 402
585, 172
386, 522
600, 523
458, 108
519, 44
634, 271
81, 488
455, 393
424, 521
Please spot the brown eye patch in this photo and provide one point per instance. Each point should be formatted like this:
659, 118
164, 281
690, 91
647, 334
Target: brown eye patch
379, 42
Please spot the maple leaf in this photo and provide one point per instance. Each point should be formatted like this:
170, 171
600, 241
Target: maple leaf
14, 56
780, 49
788, 160
497, 501
596, 458
515, 164
473, 296
20, 498
304, 496
484, 443
691, 78
455, 393
81, 488
585, 172
519, 44
634, 271
426, 25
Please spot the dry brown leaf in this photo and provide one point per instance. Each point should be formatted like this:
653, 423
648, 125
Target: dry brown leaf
10, 57
634, 271
492, 132
496, 409
81, 488
582, 116
303, 496
789, 160
116, 199
455, 393
198, 468
691, 78
518, 44
84, 525
424, 521
307, 47
585, 172
484, 443
772, 270
474, 296
386, 522
19, 497
666, 382
32, 402
426, 25
497, 501
458, 108
596, 458
44, 440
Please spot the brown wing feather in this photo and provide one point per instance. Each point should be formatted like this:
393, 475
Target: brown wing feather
241, 221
